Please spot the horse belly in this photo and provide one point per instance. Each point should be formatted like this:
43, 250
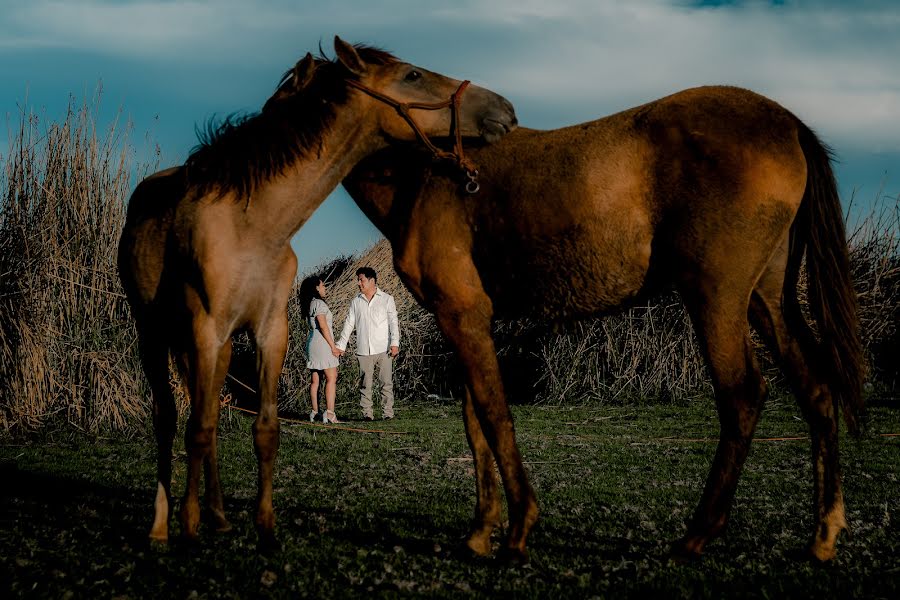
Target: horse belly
583, 271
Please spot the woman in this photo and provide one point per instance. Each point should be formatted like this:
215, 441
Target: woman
322, 354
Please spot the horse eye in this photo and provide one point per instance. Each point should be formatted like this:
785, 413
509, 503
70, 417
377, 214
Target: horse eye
413, 76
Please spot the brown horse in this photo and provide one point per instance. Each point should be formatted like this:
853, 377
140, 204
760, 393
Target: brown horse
206, 247
717, 191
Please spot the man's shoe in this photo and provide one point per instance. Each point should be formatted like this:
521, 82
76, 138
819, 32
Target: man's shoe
390, 418
368, 417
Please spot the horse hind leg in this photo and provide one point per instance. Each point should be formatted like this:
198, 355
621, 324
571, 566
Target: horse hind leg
154, 354
723, 332
792, 343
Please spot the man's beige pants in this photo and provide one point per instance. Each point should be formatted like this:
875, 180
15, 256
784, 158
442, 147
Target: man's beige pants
366, 375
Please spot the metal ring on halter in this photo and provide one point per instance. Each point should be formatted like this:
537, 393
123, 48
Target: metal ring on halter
472, 185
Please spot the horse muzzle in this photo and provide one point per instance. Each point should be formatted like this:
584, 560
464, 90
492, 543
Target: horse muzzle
498, 121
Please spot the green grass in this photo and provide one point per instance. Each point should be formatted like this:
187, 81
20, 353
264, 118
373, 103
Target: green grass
377, 514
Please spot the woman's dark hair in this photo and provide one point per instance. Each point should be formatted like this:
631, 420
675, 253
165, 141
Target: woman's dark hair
308, 292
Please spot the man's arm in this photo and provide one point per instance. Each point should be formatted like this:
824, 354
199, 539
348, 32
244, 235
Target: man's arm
393, 326
349, 324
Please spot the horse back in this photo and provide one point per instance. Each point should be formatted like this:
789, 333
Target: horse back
588, 218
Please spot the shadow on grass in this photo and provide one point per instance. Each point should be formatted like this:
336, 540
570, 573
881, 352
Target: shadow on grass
43, 505
416, 534
64, 536
49, 509
38, 500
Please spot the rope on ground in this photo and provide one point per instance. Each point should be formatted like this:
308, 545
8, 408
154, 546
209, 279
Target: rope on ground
321, 425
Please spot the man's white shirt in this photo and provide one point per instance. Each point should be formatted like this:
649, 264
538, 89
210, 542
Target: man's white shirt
377, 328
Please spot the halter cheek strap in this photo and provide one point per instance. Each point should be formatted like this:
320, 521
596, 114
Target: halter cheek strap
454, 102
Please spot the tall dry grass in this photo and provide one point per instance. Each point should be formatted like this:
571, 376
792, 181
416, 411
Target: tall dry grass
66, 336
875, 260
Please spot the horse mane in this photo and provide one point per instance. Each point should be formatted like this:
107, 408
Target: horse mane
243, 151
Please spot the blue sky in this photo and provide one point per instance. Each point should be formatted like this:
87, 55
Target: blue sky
170, 65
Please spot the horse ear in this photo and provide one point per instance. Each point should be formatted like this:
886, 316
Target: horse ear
303, 71
349, 57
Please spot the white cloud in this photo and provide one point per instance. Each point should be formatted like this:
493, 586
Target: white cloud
835, 64
515, 12
195, 30
837, 67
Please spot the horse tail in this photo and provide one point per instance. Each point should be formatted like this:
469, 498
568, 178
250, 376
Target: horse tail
819, 231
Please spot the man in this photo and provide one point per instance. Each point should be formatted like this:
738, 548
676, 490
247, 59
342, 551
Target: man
373, 314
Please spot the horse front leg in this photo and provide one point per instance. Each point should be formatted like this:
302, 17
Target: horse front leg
487, 506
214, 501
468, 330
271, 343
200, 435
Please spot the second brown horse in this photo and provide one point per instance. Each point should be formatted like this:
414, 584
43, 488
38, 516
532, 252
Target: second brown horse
717, 191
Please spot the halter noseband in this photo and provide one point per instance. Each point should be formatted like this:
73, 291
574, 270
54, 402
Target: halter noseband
456, 156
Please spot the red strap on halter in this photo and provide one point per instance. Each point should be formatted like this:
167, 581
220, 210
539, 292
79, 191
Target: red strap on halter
454, 103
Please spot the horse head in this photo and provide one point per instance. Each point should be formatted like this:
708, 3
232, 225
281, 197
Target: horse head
396, 87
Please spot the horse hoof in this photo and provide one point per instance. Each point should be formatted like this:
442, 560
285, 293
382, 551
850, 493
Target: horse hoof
218, 522
224, 527
478, 546
685, 552
465, 553
821, 554
159, 544
682, 557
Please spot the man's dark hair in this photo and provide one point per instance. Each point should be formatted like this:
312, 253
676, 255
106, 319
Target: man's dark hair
369, 272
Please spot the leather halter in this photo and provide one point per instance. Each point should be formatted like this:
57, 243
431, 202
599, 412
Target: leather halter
456, 156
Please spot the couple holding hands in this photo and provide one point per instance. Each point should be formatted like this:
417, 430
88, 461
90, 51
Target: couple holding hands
373, 314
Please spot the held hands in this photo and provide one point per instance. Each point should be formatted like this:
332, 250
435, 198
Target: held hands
337, 352
395, 350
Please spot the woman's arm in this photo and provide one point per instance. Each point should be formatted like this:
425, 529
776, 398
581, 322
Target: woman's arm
325, 331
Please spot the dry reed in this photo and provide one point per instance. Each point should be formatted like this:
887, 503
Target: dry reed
66, 337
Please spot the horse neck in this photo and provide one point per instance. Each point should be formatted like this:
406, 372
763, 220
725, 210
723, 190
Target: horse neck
282, 205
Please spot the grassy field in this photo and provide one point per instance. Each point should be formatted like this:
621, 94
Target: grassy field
384, 513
